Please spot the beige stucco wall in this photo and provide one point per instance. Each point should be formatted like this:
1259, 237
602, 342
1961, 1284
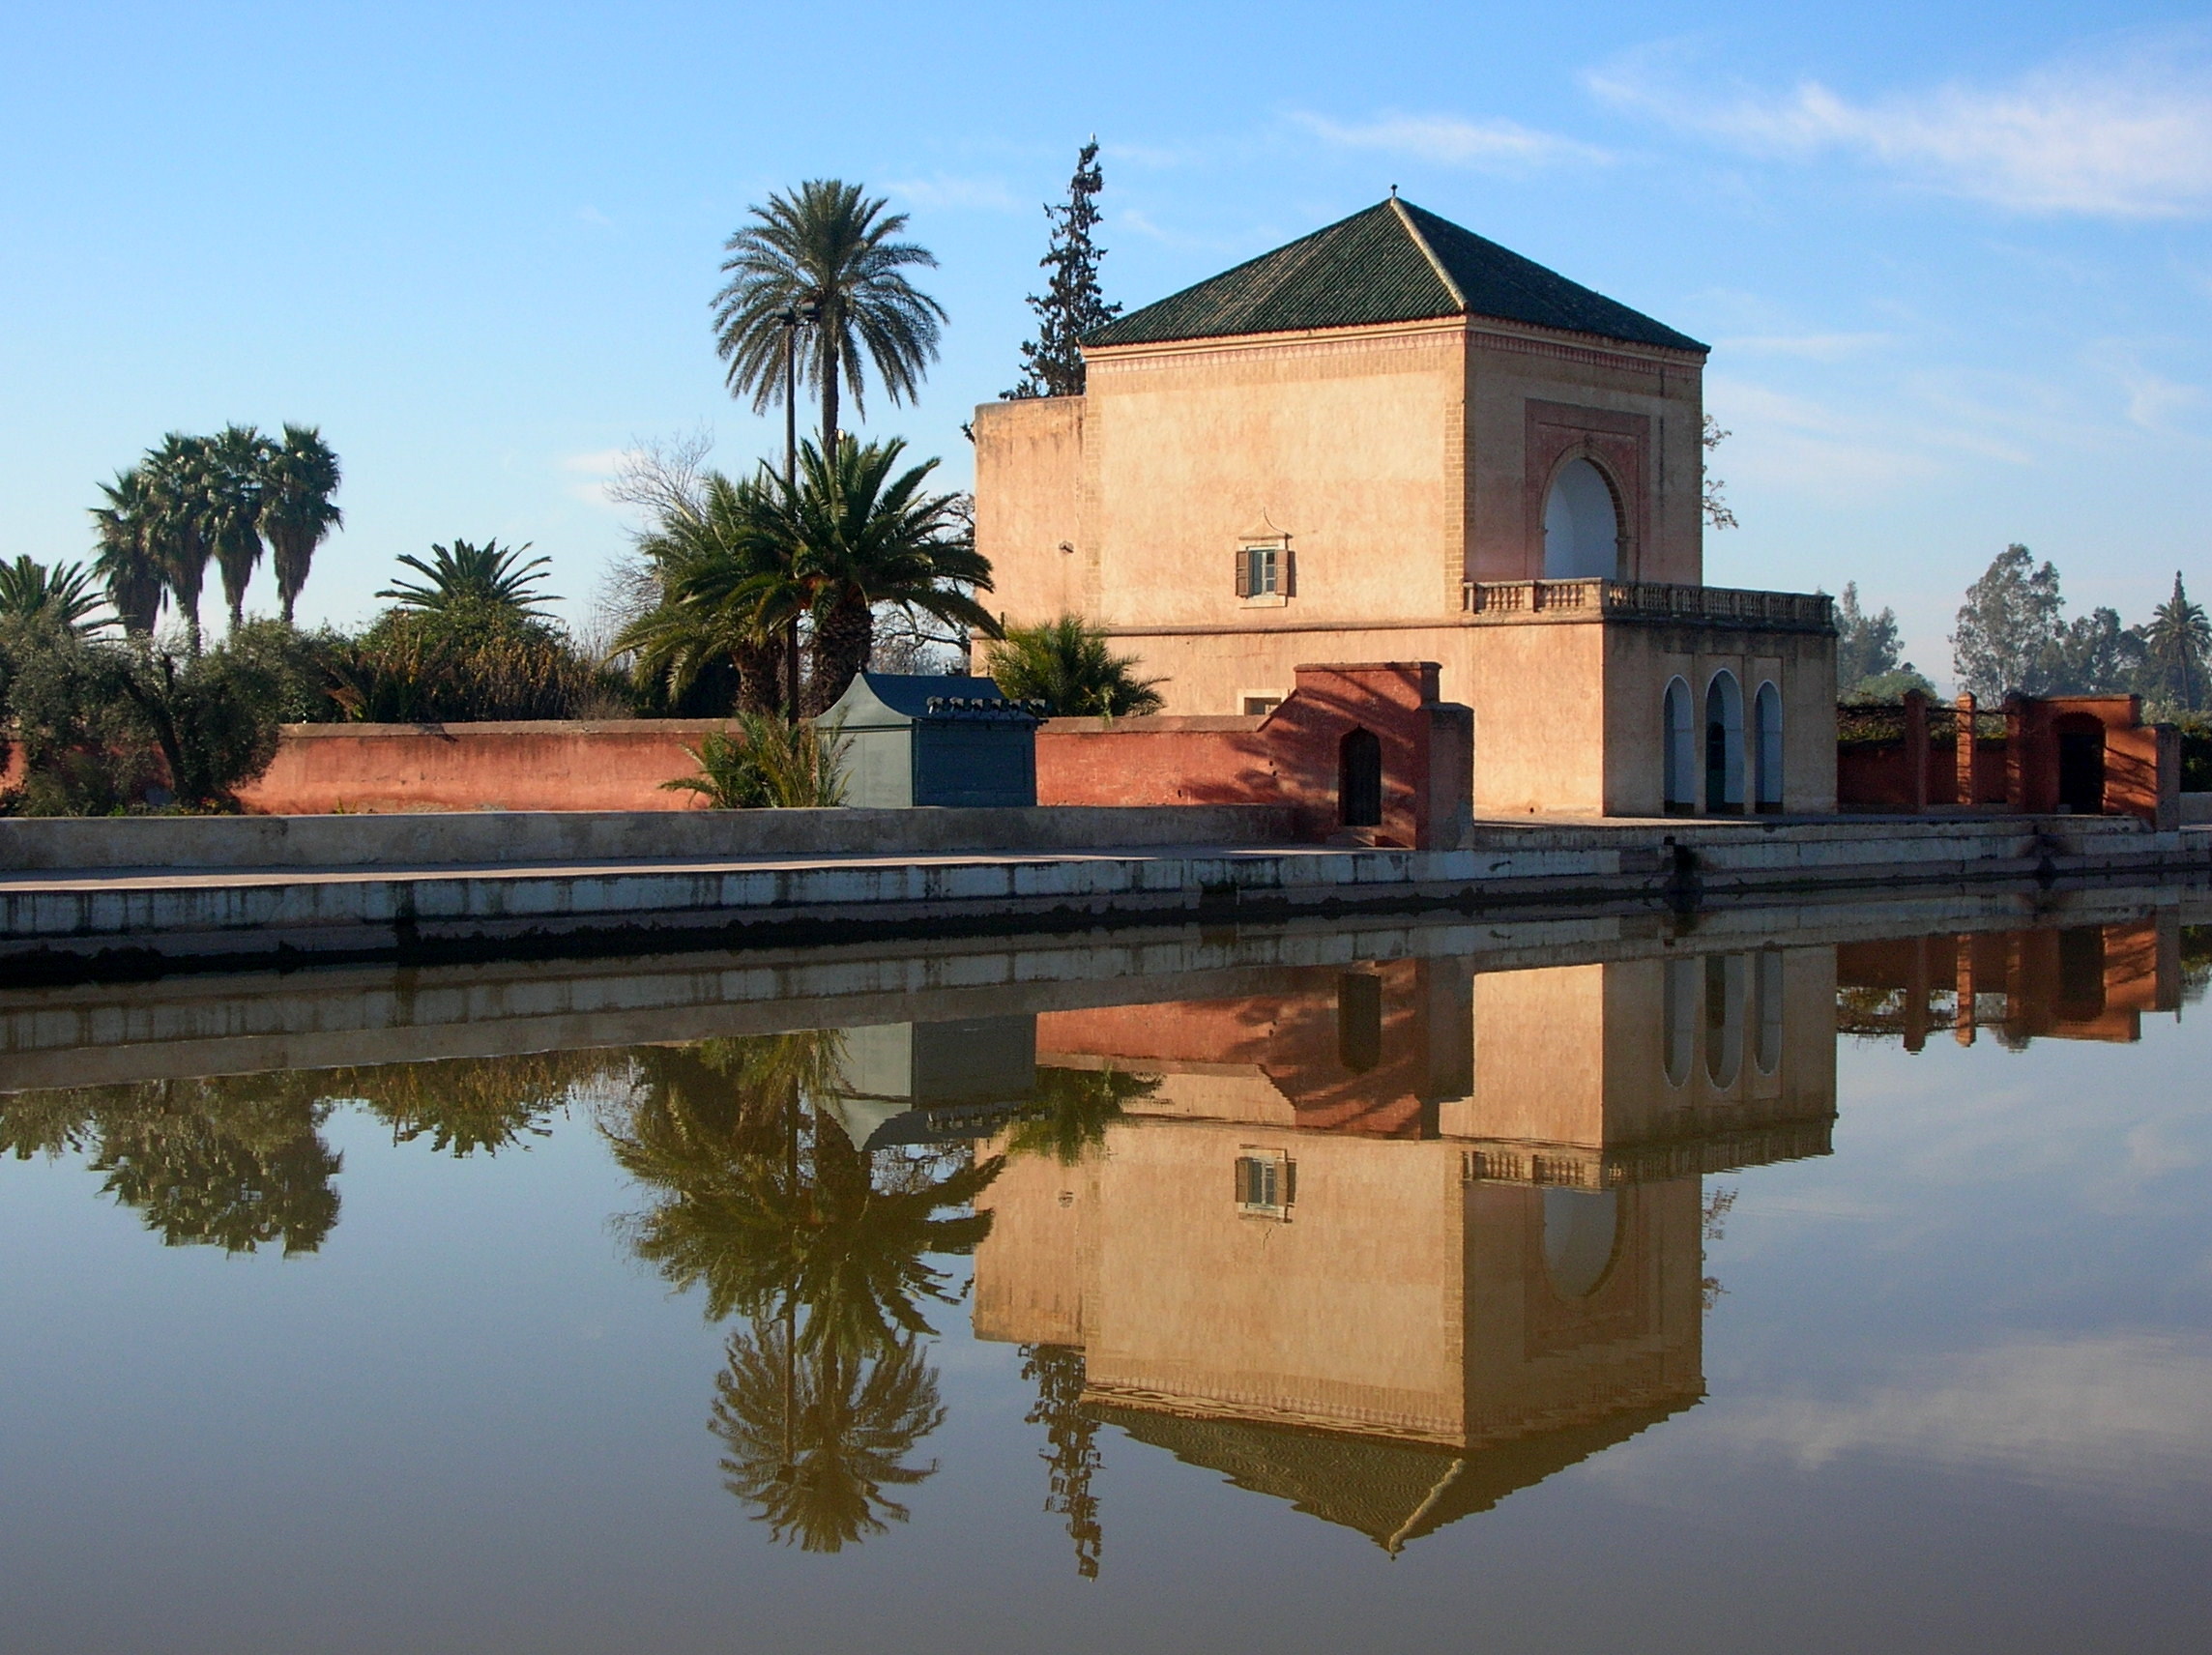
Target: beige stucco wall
1395, 460
1397, 1297
1574, 1056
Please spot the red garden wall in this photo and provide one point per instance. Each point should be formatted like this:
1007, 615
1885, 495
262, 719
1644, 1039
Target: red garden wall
1292, 755
550, 766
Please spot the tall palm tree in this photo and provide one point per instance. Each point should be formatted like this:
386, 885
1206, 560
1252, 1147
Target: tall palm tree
63, 594
178, 489
238, 461
297, 510
704, 551
491, 575
125, 562
826, 253
2180, 638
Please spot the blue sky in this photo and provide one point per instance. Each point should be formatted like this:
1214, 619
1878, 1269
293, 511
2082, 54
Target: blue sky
1953, 259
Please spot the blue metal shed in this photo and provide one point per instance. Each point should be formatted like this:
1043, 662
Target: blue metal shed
929, 740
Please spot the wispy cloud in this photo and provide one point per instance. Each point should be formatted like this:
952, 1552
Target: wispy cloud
943, 189
594, 473
2124, 137
1495, 144
2154, 401
2122, 1416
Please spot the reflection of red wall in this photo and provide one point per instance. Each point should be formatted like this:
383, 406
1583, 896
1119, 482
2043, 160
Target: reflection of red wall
1287, 756
2063, 983
1292, 1037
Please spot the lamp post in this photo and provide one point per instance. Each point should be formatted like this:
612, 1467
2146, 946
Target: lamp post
793, 317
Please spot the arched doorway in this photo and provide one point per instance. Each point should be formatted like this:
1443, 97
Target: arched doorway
1766, 744
1582, 525
1359, 779
2082, 764
1680, 786
1723, 743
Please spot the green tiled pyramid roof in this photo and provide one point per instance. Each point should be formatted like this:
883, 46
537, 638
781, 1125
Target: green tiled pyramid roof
1391, 263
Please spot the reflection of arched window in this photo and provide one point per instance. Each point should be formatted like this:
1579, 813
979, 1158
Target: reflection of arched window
1359, 1021
1768, 1054
1681, 748
1359, 779
1725, 993
1582, 526
1724, 743
1681, 1018
1766, 743
1582, 1234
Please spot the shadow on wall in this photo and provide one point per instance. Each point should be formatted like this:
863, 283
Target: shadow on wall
1364, 751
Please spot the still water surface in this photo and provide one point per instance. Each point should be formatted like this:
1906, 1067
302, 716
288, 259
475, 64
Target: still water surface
1662, 1291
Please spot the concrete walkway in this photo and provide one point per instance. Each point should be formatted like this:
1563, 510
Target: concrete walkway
58, 925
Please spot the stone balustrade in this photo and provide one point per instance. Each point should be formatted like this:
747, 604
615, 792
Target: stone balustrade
1509, 602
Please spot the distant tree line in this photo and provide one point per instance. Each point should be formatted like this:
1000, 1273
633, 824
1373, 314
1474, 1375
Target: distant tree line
2013, 636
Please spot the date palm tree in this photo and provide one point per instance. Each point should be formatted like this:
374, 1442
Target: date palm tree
704, 551
125, 562
490, 575
180, 487
238, 461
826, 254
2179, 639
1068, 664
297, 510
63, 595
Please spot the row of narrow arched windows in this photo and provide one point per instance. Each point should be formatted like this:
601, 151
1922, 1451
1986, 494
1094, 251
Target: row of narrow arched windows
1717, 1003
1731, 768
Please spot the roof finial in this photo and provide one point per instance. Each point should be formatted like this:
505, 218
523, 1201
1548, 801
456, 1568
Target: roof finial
1393, 192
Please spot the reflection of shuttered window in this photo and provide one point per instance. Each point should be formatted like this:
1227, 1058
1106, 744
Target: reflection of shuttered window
1266, 1184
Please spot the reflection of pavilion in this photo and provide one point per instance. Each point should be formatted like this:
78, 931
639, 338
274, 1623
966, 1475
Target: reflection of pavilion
1394, 1242
2078, 983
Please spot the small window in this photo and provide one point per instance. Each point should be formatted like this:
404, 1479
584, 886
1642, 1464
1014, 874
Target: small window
1266, 1184
1259, 571
1259, 705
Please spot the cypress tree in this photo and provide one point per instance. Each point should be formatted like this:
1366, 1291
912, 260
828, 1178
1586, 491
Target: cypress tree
1071, 304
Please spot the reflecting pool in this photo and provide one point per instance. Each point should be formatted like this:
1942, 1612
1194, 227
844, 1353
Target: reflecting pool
1838, 1278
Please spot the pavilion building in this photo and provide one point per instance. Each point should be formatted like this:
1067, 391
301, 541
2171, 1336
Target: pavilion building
1396, 440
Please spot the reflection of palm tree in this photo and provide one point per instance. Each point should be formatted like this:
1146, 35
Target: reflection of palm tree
766, 1204
1072, 1453
814, 1436
1072, 1111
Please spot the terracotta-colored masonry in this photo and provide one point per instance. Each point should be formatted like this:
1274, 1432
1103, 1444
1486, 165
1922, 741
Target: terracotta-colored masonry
378, 768
1297, 754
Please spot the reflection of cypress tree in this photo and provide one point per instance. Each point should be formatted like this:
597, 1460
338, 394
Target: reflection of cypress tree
1072, 1110
1072, 1455
815, 1436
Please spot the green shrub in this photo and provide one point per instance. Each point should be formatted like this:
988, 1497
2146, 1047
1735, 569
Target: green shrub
469, 662
766, 763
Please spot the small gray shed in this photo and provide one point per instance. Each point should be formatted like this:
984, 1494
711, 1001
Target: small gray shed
934, 741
